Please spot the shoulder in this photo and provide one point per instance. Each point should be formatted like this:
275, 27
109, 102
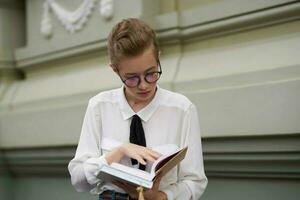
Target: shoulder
109, 96
174, 99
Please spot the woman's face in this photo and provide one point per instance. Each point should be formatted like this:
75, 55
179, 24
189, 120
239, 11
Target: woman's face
139, 66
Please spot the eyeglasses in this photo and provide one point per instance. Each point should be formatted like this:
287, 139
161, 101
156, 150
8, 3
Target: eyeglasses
149, 77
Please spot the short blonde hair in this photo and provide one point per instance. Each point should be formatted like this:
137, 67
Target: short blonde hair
130, 37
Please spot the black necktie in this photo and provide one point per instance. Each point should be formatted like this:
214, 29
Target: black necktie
137, 136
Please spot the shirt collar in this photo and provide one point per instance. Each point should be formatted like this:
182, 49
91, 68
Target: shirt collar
145, 113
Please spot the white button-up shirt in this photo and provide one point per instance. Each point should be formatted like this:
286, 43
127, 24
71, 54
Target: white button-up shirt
169, 120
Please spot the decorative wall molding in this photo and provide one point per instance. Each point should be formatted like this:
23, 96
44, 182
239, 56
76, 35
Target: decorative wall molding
73, 20
3, 163
253, 156
37, 161
10, 74
273, 156
187, 28
12, 4
8, 71
172, 27
6, 65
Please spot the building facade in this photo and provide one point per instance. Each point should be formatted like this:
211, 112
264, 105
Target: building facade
238, 61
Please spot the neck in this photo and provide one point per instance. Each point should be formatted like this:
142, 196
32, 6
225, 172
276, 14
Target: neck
136, 107
137, 104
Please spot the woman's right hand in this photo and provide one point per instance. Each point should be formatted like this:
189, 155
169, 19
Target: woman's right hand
140, 153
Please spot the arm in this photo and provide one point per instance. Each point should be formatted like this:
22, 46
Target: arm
191, 177
88, 159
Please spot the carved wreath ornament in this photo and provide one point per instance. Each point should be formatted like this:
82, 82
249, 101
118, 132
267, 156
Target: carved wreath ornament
73, 20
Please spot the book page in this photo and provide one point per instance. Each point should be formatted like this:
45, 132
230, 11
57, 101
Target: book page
149, 173
111, 174
164, 150
133, 171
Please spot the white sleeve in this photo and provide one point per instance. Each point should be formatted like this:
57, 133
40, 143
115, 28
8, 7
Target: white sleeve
191, 177
88, 160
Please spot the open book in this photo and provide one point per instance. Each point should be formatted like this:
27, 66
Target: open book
162, 165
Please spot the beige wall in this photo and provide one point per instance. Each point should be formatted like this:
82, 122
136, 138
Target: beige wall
237, 60
239, 66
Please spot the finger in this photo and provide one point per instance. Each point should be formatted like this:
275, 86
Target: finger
140, 159
145, 150
142, 154
147, 156
154, 154
159, 175
157, 182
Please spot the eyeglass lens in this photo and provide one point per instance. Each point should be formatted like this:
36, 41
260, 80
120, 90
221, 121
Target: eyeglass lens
149, 78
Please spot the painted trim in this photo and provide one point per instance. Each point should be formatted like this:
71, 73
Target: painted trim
276, 156
173, 27
272, 156
3, 163
38, 161
229, 24
9, 74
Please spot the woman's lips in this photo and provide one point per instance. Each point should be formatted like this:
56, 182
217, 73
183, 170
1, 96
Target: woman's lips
144, 93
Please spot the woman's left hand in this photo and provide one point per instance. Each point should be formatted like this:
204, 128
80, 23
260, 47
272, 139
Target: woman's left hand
152, 193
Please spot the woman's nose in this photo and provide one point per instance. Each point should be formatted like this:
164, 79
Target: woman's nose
143, 84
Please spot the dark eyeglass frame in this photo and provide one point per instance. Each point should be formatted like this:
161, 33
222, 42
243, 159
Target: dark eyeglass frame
145, 77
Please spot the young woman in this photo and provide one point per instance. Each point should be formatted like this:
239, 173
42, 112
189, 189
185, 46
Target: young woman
128, 124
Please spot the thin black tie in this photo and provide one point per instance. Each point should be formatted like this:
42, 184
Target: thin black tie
137, 136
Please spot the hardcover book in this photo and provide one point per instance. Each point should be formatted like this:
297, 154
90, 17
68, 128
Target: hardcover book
119, 172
